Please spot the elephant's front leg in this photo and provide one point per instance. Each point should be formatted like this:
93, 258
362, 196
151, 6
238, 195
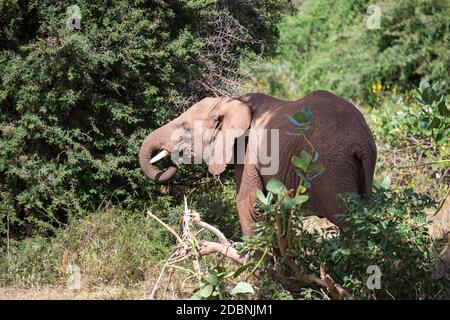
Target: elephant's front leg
248, 181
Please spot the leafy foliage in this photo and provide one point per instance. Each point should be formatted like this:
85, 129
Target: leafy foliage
327, 45
435, 110
411, 155
214, 285
388, 230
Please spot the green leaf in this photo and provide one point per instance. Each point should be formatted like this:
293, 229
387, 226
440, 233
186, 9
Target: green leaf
242, 288
386, 182
301, 189
305, 155
288, 203
299, 163
301, 174
307, 112
242, 269
316, 169
211, 279
301, 199
206, 291
261, 197
440, 135
315, 156
345, 251
435, 86
269, 198
424, 85
294, 121
435, 123
443, 109
303, 161
196, 296
418, 98
303, 116
428, 95
300, 125
276, 186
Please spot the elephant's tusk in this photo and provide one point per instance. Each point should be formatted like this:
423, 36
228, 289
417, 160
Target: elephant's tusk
159, 156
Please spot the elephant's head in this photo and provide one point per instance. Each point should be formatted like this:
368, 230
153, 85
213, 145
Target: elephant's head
211, 125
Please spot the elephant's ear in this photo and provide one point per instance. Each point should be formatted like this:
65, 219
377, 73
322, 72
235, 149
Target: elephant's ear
235, 118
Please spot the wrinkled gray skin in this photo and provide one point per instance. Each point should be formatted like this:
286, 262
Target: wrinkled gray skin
338, 131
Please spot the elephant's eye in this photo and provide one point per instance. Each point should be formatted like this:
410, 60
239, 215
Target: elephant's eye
185, 135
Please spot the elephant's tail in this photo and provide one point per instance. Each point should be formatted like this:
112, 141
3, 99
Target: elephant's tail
367, 156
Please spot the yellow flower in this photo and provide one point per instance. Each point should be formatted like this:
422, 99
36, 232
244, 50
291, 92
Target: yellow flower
379, 86
374, 88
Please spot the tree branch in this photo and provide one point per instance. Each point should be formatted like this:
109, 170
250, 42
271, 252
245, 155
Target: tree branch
208, 247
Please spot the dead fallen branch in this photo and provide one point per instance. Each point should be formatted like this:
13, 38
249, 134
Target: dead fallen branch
188, 247
208, 247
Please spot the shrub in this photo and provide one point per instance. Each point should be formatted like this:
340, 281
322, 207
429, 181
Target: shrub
388, 230
75, 105
327, 45
412, 140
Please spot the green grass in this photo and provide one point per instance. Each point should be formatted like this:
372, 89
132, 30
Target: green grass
113, 246
110, 246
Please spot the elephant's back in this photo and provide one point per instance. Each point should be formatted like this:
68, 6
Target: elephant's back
337, 131
331, 114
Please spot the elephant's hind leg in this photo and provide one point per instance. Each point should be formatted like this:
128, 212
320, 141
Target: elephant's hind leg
326, 191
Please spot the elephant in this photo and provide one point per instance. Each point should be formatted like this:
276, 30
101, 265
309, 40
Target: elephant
338, 132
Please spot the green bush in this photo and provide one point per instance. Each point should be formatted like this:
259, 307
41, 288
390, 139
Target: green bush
388, 230
113, 246
75, 105
411, 153
327, 45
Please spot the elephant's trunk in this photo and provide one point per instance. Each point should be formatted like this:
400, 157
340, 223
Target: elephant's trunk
150, 147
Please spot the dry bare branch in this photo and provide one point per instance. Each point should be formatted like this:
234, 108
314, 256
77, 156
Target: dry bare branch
219, 57
336, 291
166, 226
223, 240
208, 247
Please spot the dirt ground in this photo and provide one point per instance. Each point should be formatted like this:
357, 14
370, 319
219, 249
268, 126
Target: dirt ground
62, 293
